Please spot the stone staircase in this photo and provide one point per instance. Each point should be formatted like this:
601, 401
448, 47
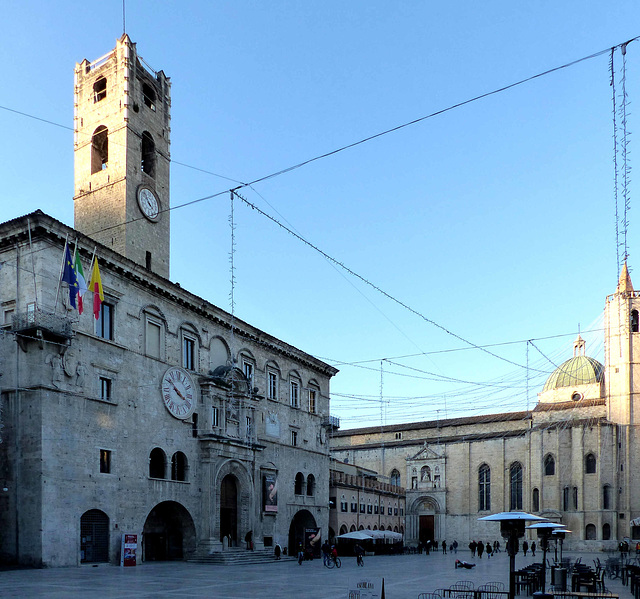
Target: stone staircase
237, 556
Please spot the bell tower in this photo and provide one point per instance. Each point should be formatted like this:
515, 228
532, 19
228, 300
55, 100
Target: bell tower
122, 128
622, 352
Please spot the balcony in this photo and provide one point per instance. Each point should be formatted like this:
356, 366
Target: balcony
40, 325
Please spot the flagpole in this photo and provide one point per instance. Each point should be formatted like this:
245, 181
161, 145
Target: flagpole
64, 253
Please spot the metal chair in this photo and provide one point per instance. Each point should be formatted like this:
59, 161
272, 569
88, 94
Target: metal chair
429, 596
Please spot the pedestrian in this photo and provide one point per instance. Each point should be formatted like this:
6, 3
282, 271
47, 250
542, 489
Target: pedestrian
277, 551
473, 546
420, 547
496, 546
326, 550
489, 550
300, 554
455, 546
525, 547
436, 546
480, 549
427, 547
444, 547
533, 549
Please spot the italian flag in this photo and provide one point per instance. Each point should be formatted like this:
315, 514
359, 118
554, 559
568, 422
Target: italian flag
82, 282
95, 285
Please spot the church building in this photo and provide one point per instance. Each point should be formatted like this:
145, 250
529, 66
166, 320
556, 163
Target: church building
574, 458
162, 416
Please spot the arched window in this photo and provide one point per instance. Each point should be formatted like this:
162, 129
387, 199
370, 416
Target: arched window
343, 529
311, 485
590, 532
590, 464
484, 488
179, 466
635, 321
606, 497
606, 532
425, 474
535, 500
565, 499
149, 96
575, 498
148, 155
394, 479
515, 479
157, 463
353, 528
549, 465
99, 89
99, 149
299, 485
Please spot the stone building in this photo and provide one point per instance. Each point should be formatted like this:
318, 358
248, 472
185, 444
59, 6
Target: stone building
359, 501
167, 417
575, 458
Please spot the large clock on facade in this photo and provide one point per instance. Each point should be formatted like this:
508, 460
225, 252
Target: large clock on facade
178, 393
148, 203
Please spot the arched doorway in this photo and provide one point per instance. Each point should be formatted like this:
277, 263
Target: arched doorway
168, 533
303, 529
94, 537
424, 515
229, 509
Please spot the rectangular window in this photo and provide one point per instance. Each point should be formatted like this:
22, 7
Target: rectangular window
247, 368
188, 353
375, 509
294, 438
312, 401
395, 511
249, 426
105, 461
354, 507
105, 388
295, 394
8, 316
272, 385
104, 324
343, 506
369, 509
31, 312
215, 417
153, 336
389, 511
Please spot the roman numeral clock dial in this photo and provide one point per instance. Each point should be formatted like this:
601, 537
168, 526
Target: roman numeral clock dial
178, 393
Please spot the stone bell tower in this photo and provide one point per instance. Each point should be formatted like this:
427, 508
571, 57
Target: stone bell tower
121, 155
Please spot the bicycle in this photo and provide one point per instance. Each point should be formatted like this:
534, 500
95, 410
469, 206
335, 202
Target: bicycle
333, 561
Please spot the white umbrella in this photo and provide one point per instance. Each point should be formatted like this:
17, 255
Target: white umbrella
358, 535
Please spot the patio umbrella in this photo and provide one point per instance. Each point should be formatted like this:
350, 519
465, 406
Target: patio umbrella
357, 535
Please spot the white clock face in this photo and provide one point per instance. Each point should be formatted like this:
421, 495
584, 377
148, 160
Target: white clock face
178, 392
148, 203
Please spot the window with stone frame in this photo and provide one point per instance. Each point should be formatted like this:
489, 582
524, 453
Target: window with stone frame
105, 461
154, 329
272, 385
99, 89
590, 464
294, 393
484, 488
549, 465
99, 149
515, 486
104, 325
312, 400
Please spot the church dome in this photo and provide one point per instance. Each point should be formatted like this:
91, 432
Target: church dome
579, 370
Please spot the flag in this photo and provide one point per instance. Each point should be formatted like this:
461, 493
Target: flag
82, 282
69, 275
95, 285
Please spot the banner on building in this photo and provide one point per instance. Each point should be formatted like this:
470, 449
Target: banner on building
270, 492
129, 550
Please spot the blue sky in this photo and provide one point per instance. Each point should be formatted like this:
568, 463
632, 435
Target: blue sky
494, 220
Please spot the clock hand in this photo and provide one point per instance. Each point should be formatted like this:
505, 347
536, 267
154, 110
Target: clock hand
178, 392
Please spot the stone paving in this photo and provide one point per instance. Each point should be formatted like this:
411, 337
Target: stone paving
405, 576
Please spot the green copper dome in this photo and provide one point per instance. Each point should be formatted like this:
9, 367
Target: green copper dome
579, 370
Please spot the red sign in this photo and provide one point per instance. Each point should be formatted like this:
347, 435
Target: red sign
129, 549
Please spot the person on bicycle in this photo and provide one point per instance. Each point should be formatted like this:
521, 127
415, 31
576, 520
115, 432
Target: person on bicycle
334, 553
359, 551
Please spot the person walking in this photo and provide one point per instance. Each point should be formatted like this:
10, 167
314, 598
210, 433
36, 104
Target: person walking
300, 554
455, 546
525, 547
533, 549
473, 545
480, 549
489, 550
444, 547
496, 546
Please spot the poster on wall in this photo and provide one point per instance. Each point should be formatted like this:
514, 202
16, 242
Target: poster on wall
366, 588
270, 492
128, 550
312, 537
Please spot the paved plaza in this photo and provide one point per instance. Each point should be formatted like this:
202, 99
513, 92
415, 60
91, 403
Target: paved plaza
405, 576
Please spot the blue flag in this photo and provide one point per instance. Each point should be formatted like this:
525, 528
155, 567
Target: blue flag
69, 276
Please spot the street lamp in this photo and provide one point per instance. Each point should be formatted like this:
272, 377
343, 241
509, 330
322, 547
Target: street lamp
512, 529
545, 529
